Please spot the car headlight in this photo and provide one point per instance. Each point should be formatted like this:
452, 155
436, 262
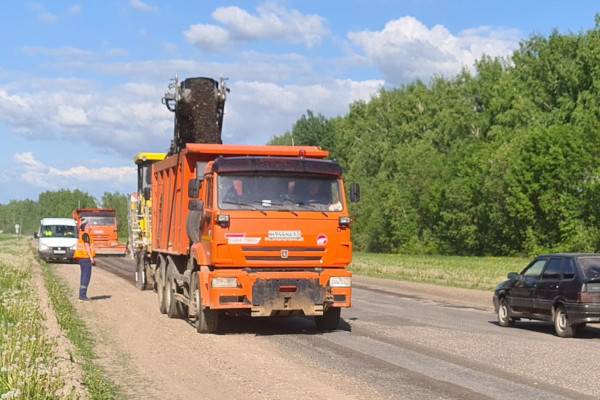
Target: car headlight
44, 247
74, 247
340, 281
224, 282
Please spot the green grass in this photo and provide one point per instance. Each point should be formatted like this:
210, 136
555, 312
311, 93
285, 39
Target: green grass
467, 272
95, 379
28, 366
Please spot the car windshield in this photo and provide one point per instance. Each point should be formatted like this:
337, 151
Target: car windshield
590, 266
58, 231
279, 192
100, 221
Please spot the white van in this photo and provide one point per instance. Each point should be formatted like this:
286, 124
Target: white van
57, 239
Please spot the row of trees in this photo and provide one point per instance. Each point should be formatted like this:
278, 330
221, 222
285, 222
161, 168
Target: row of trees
59, 204
501, 161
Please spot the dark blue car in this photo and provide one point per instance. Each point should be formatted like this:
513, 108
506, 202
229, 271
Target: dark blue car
562, 288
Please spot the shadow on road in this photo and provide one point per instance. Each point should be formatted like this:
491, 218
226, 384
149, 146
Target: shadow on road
101, 297
589, 332
271, 326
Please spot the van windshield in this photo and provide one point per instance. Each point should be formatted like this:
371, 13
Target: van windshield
58, 231
590, 266
279, 192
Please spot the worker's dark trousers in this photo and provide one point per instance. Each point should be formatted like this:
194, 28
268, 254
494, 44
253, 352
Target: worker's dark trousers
86, 274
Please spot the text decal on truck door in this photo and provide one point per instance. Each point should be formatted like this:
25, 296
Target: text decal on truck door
285, 236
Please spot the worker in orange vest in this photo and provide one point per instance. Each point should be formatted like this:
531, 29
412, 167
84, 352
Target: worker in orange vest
84, 254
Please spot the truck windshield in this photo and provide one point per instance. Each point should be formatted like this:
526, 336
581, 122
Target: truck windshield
278, 192
58, 231
100, 221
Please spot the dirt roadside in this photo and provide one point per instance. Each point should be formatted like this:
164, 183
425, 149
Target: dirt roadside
151, 356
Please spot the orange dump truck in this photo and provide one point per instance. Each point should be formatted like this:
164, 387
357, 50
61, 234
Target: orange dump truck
256, 230
101, 224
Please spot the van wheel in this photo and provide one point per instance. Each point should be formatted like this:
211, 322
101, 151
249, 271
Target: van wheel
504, 318
207, 321
330, 319
160, 283
562, 325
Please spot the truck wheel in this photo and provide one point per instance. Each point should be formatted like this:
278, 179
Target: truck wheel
170, 290
330, 319
160, 283
207, 321
562, 325
140, 271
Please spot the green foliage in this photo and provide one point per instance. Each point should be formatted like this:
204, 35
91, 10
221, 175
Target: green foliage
500, 162
50, 204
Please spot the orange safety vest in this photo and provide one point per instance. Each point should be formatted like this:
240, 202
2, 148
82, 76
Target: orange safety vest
81, 253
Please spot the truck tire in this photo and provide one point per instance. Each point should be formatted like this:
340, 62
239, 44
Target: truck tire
173, 311
141, 275
207, 321
160, 282
330, 319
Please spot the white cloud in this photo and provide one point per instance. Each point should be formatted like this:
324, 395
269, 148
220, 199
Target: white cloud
257, 111
406, 49
42, 13
131, 115
270, 22
59, 52
74, 9
71, 116
36, 173
208, 37
142, 6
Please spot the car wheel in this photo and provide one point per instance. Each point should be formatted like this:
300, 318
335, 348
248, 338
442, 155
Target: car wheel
562, 325
504, 318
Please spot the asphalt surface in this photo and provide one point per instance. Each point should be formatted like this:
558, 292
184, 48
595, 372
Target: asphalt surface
401, 347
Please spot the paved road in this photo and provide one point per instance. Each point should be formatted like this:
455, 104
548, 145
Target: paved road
390, 345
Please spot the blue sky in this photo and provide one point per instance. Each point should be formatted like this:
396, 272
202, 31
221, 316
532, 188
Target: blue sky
81, 82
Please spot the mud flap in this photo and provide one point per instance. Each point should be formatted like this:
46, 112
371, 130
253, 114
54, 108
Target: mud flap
274, 295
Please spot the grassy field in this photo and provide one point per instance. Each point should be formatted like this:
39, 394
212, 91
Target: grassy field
94, 377
28, 367
466, 272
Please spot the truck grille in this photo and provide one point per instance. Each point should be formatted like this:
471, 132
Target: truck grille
283, 254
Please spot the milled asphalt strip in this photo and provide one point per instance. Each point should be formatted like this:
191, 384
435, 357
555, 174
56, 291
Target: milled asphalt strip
440, 370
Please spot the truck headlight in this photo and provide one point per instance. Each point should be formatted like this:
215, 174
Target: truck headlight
224, 282
340, 281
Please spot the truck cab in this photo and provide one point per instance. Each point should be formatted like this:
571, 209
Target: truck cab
101, 225
57, 239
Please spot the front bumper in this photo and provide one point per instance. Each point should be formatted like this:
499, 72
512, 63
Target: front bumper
583, 313
268, 293
57, 254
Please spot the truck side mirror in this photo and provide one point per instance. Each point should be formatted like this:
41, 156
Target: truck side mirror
354, 192
147, 193
193, 188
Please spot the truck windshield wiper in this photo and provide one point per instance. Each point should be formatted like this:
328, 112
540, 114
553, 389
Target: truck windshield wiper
243, 203
284, 209
312, 207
